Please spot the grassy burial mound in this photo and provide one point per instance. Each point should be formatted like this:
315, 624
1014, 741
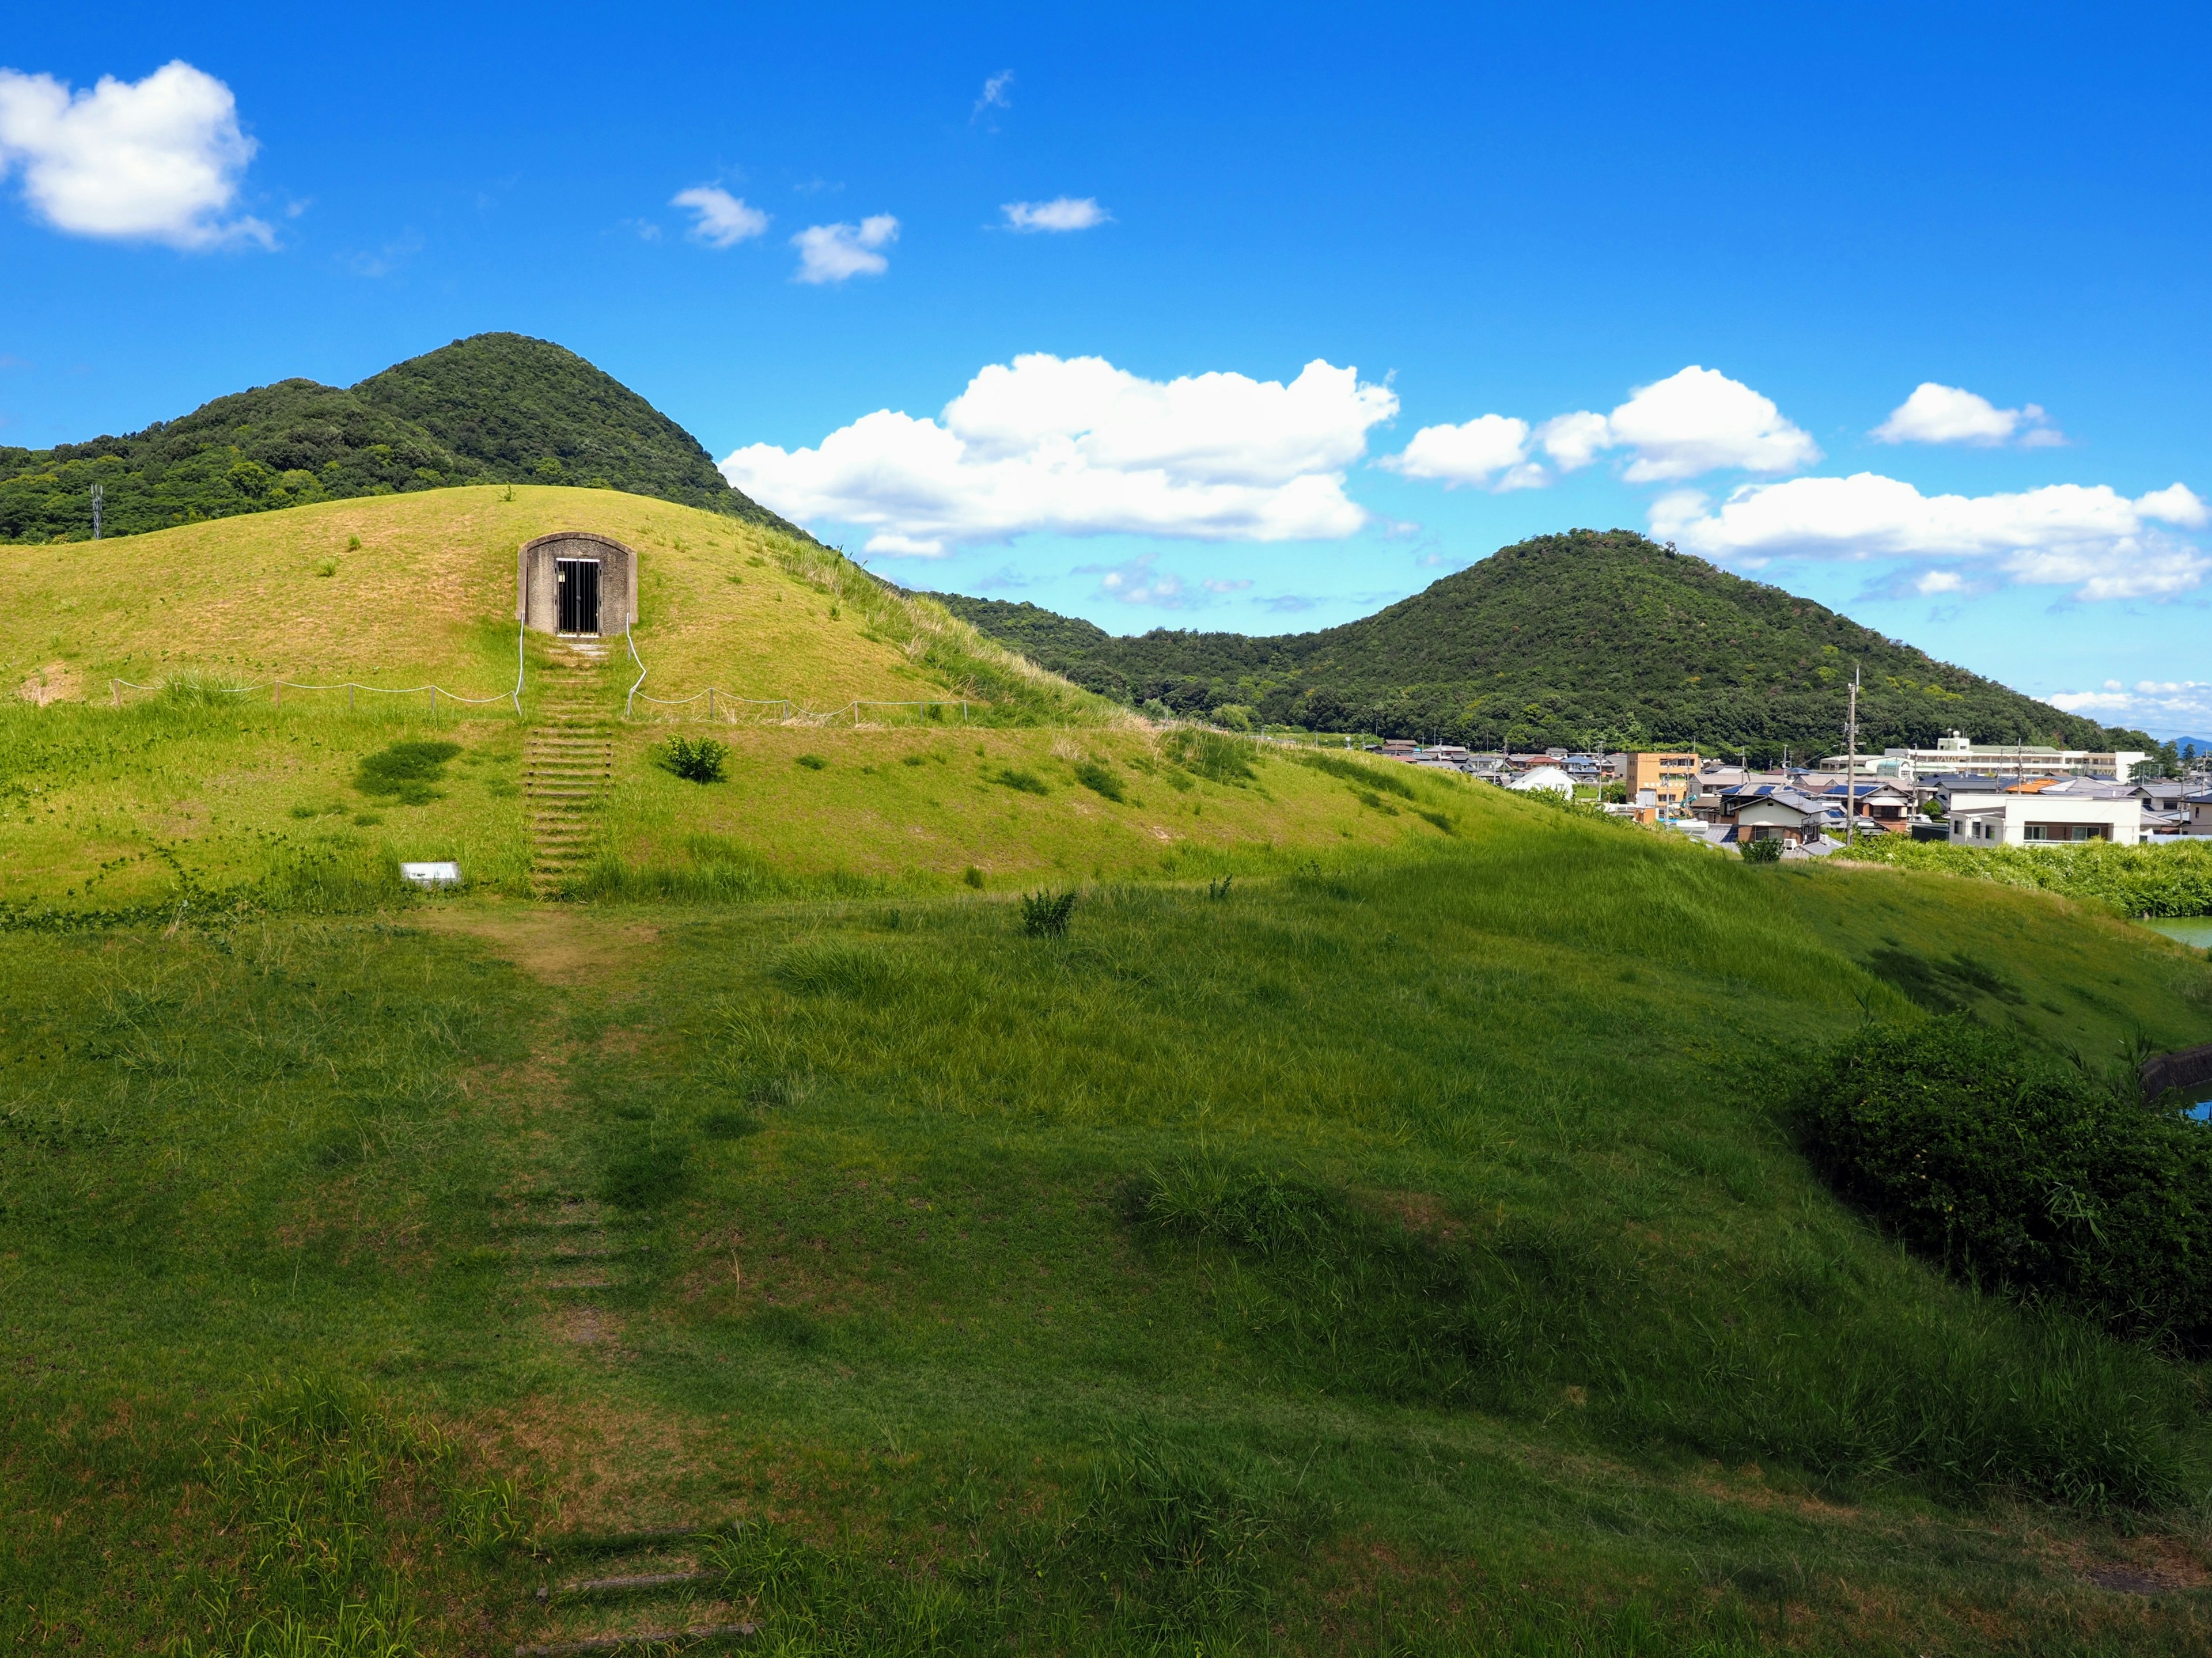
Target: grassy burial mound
1584, 639
889, 747
495, 408
1413, 1253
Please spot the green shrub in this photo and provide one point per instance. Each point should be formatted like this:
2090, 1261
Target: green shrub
814, 763
1027, 782
1045, 915
694, 759
1759, 851
404, 772
2143, 880
973, 878
1216, 758
2022, 1176
1100, 778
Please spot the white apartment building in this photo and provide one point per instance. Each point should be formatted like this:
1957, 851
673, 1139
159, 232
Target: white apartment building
2033, 817
1956, 753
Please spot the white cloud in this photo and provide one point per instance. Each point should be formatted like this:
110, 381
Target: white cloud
1696, 421
1491, 451
1945, 413
724, 220
1061, 213
157, 159
1573, 441
2089, 537
1699, 420
1077, 446
995, 94
831, 253
2167, 707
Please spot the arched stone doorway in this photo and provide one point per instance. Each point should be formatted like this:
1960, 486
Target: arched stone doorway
574, 582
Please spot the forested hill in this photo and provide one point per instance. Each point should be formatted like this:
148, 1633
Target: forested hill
1575, 640
495, 408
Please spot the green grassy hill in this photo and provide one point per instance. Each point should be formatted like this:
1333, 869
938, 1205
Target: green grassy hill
1581, 639
1411, 1253
1378, 1220
495, 408
104, 805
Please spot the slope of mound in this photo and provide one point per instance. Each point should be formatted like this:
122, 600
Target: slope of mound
1579, 640
888, 747
403, 590
497, 408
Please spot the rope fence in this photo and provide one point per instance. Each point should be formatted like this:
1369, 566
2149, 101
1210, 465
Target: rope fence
722, 707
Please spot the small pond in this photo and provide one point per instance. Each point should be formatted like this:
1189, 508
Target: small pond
2190, 929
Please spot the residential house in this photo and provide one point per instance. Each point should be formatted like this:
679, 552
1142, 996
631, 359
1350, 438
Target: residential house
1551, 779
1882, 806
2036, 811
1775, 811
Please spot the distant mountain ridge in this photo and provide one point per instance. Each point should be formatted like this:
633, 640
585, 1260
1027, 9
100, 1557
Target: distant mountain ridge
491, 409
1586, 639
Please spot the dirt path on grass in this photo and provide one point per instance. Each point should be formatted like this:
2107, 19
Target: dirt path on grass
555, 945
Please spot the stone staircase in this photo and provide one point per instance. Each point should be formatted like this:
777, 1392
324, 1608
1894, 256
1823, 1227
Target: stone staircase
632, 1592
637, 1593
568, 761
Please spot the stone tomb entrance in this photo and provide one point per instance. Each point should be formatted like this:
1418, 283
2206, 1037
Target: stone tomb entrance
575, 582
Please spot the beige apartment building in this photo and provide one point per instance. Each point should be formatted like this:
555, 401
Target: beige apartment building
1661, 783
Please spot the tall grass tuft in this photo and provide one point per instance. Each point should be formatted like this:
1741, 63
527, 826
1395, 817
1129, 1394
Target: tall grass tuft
1045, 915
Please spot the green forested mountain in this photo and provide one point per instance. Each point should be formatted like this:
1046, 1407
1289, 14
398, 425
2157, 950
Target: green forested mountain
1580, 640
496, 408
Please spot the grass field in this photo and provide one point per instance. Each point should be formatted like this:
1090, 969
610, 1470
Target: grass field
1406, 1253
1374, 1224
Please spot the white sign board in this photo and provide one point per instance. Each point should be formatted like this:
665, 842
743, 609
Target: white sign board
431, 875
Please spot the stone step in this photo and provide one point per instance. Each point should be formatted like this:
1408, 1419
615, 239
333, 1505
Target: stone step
630, 1585
662, 1637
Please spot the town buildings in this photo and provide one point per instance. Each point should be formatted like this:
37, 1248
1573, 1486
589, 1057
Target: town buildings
1955, 753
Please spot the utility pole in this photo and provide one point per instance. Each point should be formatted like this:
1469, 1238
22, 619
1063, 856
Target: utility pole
1851, 764
99, 497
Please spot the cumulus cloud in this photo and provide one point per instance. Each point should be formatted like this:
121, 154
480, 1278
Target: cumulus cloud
1695, 420
1491, 451
157, 159
1700, 420
831, 253
722, 220
2174, 707
1061, 213
2091, 539
1078, 447
1945, 413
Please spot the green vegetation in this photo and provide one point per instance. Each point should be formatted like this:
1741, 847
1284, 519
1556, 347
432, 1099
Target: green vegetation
694, 759
2020, 1173
1587, 640
2145, 880
495, 408
1407, 1251
1760, 852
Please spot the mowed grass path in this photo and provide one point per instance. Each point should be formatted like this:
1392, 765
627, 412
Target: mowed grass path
1408, 1253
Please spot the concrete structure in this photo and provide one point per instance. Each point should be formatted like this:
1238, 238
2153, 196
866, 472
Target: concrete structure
2033, 814
1956, 753
1661, 783
539, 578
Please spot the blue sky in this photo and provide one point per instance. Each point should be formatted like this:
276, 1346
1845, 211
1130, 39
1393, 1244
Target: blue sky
1530, 216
